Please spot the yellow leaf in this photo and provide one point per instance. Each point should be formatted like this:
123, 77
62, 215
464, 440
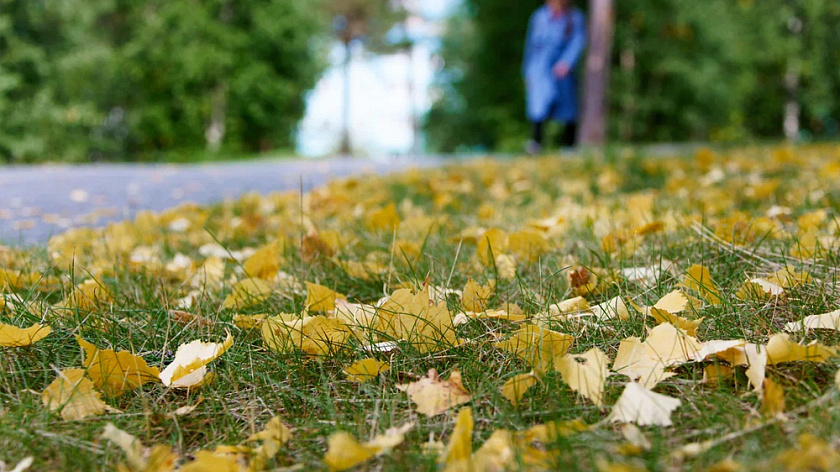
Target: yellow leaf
138, 458
12, 336
527, 245
540, 347
459, 447
781, 349
320, 298
314, 335
247, 293
671, 345
825, 321
773, 399
491, 244
247, 322
265, 262
699, 279
634, 361
614, 308
88, 295
365, 369
210, 461
190, 365
714, 373
506, 266
73, 395
759, 289
116, 372
643, 407
274, 435
434, 395
415, 318
344, 451
571, 305
515, 387
812, 454
464, 318
475, 297
384, 219
586, 374
689, 326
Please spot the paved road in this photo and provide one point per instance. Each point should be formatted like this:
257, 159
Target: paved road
39, 201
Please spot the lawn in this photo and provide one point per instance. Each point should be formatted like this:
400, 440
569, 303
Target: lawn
616, 314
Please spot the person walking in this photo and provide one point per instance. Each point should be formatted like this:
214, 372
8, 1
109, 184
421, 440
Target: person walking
554, 44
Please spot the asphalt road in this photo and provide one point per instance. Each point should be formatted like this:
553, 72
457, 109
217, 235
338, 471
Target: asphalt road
37, 202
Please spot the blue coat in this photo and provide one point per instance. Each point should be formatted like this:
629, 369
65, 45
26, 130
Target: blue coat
550, 41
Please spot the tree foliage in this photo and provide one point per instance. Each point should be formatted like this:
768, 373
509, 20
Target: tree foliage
121, 79
681, 71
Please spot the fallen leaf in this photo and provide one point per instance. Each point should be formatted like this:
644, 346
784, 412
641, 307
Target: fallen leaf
475, 296
365, 369
73, 396
320, 298
772, 399
643, 407
459, 447
116, 372
540, 347
314, 335
416, 319
699, 279
671, 345
515, 387
614, 308
586, 374
634, 361
434, 395
190, 365
781, 349
344, 451
12, 336
247, 293
829, 320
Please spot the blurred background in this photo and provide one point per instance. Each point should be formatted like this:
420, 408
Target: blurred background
186, 80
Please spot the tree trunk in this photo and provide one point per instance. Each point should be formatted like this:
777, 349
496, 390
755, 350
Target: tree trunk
344, 148
596, 81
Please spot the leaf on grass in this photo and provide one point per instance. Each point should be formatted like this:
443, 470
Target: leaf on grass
475, 296
699, 279
643, 407
825, 321
365, 369
88, 295
344, 451
414, 318
760, 289
116, 372
384, 219
634, 362
671, 345
811, 454
751, 355
570, 305
781, 349
12, 336
713, 374
540, 347
247, 293
273, 436
266, 261
139, 458
586, 374
459, 447
464, 318
772, 399
314, 335
320, 298
615, 308
689, 326
190, 365
515, 387
185, 318
73, 396
434, 395
247, 322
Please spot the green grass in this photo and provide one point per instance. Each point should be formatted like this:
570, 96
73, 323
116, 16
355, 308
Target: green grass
315, 398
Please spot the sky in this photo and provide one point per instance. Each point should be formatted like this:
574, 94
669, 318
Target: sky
380, 103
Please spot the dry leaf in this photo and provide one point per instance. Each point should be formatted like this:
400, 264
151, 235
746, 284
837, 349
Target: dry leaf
699, 279
414, 318
365, 369
314, 335
138, 457
320, 298
434, 395
634, 361
781, 349
247, 293
670, 345
586, 374
475, 296
190, 365
772, 399
615, 308
515, 387
116, 372
459, 448
344, 451
12, 336
540, 347
643, 407
825, 321
73, 395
